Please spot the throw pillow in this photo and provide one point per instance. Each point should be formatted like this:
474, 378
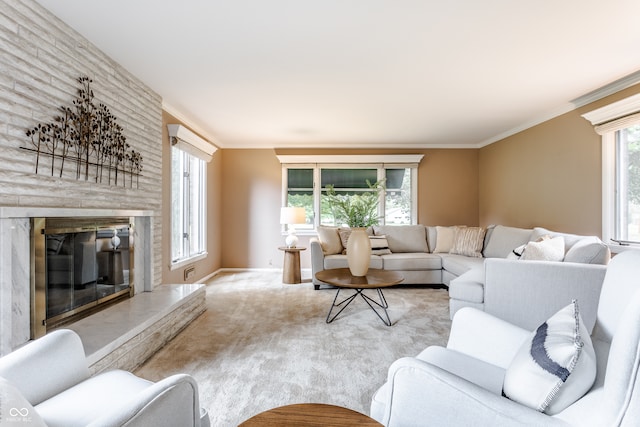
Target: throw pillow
589, 250
329, 240
501, 240
379, 245
468, 241
444, 239
344, 238
517, 252
555, 367
545, 250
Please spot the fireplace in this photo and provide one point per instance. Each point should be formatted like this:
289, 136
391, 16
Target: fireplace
78, 267
17, 260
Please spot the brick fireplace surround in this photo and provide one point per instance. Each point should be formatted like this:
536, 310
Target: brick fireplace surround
123, 335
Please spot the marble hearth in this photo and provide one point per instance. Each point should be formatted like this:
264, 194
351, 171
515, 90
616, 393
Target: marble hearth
15, 267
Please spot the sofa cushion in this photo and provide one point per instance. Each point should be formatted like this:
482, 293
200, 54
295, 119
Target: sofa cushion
468, 286
73, 407
569, 239
404, 238
468, 241
412, 261
555, 367
379, 245
589, 250
16, 409
432, 237
460, 264
502, 240
340, 261
544, 249
479, 372
444, 239
329, 240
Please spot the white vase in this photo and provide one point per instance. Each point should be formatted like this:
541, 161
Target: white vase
358, 252
115, 240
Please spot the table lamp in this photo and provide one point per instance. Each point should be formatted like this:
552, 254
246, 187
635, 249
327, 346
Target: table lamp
290, 216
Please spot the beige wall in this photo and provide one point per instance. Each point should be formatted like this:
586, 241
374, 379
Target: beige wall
251, 199
548, 175
250, 228
211, 263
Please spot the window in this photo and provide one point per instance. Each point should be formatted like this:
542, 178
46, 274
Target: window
300, 193
349, 182
304, 185
627, 185
619, 125
188, 225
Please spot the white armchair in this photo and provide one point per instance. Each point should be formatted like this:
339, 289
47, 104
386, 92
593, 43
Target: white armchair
461, 384
47, 382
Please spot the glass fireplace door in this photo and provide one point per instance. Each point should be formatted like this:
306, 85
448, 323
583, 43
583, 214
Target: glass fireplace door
72, 272
79, 265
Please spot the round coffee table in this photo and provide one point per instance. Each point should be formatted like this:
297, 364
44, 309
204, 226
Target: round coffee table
310, 414
375, 279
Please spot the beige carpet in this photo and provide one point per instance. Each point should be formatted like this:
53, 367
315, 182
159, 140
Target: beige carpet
262, 344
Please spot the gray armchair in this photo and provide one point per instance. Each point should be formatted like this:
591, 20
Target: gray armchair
461, 385
47, 382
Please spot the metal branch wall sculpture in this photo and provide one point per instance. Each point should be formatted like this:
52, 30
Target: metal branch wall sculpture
90, 138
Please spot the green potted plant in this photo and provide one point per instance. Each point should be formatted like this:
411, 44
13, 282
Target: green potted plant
358, 210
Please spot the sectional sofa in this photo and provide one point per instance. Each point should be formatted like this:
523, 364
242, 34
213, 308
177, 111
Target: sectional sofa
478, 265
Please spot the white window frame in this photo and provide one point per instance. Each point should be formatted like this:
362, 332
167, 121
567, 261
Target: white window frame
185, 182
379, 162
607, 121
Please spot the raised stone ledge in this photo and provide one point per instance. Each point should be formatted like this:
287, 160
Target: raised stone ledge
125, 335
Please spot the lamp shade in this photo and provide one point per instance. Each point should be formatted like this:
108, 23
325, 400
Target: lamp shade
292, 215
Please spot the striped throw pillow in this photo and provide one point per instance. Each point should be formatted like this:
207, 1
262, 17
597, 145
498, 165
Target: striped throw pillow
379, 245
468, 241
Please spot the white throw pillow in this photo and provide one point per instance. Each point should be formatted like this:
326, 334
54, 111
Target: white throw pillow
555, 367
444, 239
517, 252
545, 250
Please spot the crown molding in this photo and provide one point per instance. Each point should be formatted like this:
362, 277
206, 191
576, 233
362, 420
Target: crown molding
610, 89
187, 122
615, 110
353, 158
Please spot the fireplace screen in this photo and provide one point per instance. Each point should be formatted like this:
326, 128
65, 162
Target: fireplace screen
79, 265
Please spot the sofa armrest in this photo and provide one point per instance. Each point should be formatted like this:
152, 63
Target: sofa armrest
317, 260
47, 366
527, 293
423, 394
485, 337
174, 401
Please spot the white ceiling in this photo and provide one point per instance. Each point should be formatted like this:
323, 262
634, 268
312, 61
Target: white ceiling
364, 73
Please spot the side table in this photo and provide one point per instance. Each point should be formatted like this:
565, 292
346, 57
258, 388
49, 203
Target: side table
291, 268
